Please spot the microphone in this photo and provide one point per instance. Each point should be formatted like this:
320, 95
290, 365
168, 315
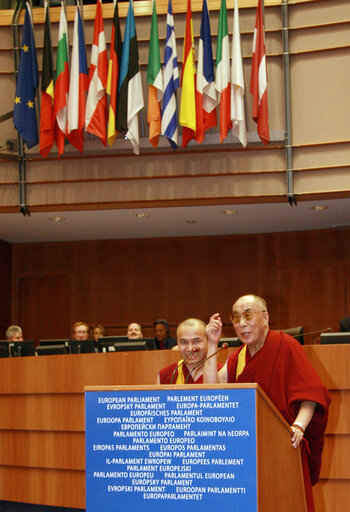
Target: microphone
223, 347
327, 329
193, 351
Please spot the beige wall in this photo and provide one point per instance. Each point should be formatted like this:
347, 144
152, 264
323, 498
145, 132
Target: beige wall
320, 79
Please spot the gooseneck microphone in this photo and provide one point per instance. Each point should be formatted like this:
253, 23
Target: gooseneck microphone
193, 351
327, 329
223, 346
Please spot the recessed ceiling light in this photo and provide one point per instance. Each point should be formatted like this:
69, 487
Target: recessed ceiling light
57, 218
142, 215
318, 208
191, 221
229, 212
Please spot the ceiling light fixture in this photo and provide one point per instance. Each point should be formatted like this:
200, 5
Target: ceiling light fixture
229, 212
142, 215
57, 218
191, 221
318, 208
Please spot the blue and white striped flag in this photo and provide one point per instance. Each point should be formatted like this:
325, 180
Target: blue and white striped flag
171, 83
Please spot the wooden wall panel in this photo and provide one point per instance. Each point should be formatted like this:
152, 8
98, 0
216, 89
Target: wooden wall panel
42, 486
339, 420
43, 306
114, 282
63, 412
331, 495
42, 419
335, 458
50, 449
5, 286
306, 284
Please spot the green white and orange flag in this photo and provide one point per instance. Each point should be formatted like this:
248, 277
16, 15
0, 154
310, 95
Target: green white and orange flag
222, 75
188, 84
113, 74
47, 120
62, 82
155, 82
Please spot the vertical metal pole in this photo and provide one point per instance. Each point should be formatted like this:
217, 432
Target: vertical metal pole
21, 155
287, 100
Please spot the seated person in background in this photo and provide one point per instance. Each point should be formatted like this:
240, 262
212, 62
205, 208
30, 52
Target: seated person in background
134, 331
278, 363
193, 344
81, 331
97, 331
345, 324
161, 335
14, 333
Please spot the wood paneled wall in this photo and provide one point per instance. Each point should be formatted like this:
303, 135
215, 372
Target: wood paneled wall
5, 287
304, 276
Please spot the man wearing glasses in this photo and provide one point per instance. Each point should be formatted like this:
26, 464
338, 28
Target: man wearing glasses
277, 362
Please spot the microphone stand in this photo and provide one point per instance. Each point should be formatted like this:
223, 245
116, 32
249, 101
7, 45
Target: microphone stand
223, 346
193, 351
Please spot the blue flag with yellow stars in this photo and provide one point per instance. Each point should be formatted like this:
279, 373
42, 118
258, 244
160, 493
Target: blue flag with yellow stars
24, 112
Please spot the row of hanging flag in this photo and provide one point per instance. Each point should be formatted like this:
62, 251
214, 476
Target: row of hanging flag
74, 100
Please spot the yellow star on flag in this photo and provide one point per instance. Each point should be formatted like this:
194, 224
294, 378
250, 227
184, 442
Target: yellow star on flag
25, 48
30, 104
17, 100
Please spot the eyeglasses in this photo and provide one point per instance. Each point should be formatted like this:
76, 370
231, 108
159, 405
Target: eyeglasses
247, 316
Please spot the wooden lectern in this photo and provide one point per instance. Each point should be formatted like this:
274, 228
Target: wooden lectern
224, 425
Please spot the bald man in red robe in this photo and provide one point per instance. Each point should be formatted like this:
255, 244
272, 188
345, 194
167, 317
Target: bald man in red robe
192, 344
279, 365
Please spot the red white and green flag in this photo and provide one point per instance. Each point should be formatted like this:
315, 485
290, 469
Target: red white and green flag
47, 120
62, 82
222, 75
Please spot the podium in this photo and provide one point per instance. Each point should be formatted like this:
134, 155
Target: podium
189, 448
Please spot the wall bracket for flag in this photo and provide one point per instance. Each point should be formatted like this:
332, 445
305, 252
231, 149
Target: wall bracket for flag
287, 97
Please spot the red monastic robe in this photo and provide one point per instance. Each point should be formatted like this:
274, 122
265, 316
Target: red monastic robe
284, 372
165, 374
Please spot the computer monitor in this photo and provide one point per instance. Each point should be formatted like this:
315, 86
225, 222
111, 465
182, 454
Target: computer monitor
81, 346
49, 350
231, 342
4, 349
53, 342
131, 345
21, 348
334, 338
127, 345
106, 342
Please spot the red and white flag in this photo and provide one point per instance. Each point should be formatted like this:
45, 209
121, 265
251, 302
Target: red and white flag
258, 79
96, 103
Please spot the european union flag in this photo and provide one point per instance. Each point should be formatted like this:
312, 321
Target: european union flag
24, 112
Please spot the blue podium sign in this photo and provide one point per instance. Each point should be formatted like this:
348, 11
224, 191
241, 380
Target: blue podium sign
171, 450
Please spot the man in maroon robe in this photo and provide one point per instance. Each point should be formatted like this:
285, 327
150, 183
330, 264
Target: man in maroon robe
193, 345
277, 362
